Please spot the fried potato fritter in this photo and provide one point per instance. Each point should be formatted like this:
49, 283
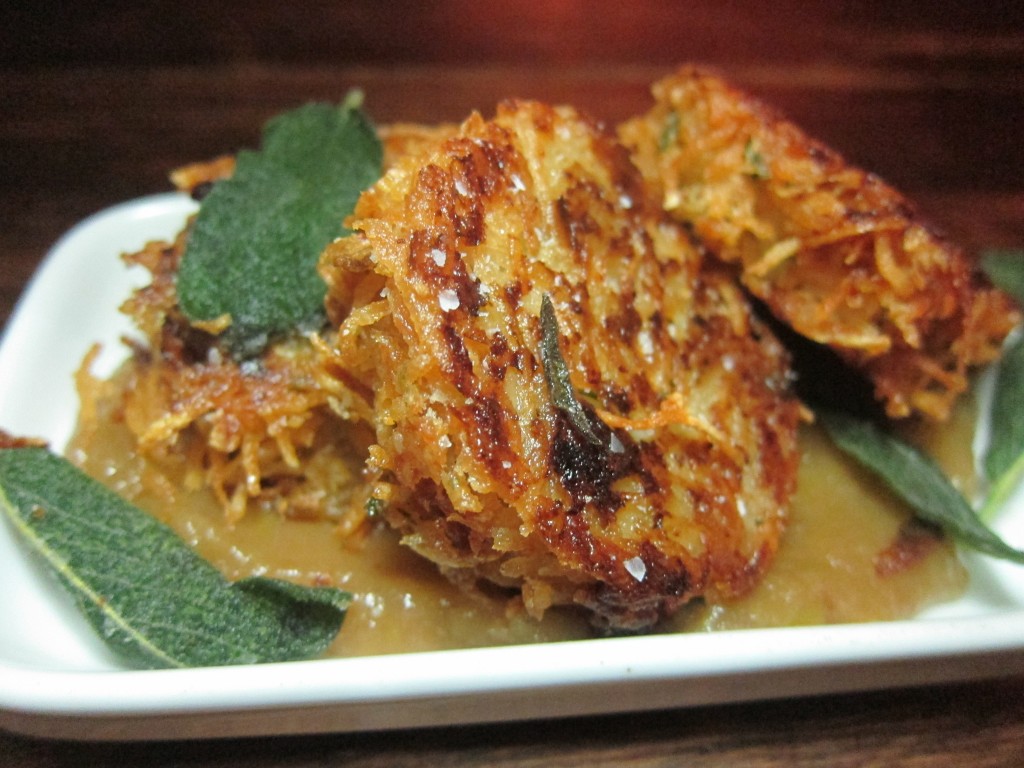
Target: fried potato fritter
683, 488
834, 253
258, 434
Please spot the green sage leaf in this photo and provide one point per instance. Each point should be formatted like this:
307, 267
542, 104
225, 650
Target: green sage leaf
1005, 268
149, 596
556, 372
918, 480
669, 132
756, 164
253, 250
1004, 457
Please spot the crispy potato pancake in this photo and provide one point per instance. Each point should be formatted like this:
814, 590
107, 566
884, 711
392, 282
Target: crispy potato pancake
665, 478
258, 434
834, 253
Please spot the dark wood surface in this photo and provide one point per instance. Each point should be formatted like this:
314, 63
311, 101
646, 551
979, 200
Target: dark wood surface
976, 725
935, 103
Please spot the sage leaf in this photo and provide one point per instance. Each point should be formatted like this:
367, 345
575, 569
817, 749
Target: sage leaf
153, 600
1004, 457
556, 372
1005, 268
669, 133
756, 163
918, 480
252, 254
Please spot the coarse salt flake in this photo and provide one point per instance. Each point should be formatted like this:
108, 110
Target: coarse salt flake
444, 441
448, 299
636, 567
646, 343
439, 256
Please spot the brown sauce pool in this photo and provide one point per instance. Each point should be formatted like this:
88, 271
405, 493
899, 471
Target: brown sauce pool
826, 572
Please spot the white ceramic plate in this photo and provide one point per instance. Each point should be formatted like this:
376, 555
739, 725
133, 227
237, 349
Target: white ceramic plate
57, 679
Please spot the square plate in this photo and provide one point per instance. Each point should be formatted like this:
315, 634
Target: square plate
57, 679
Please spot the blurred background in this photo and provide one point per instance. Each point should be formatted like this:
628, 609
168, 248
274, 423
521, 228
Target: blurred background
100, 100
474, 32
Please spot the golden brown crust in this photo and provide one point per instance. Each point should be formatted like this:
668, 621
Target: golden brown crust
834, 252
7, 441
402, 140
438, 298
194, 178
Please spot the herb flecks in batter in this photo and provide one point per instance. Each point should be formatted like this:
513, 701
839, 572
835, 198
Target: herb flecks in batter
557, 374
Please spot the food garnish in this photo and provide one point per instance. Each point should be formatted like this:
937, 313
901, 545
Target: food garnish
154, 601
249, 270
1005, 267
1004, 459
916, 479
1004, 455
563, 395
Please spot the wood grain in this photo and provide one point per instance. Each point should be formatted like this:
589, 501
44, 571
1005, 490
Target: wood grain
977, 725
931, 100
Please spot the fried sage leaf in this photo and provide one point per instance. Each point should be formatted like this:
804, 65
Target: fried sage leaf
150, 597
1004, 457
1006, 269
916, 479
252, 254
557, 373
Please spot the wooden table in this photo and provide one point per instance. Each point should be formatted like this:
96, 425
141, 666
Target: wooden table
74, 139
